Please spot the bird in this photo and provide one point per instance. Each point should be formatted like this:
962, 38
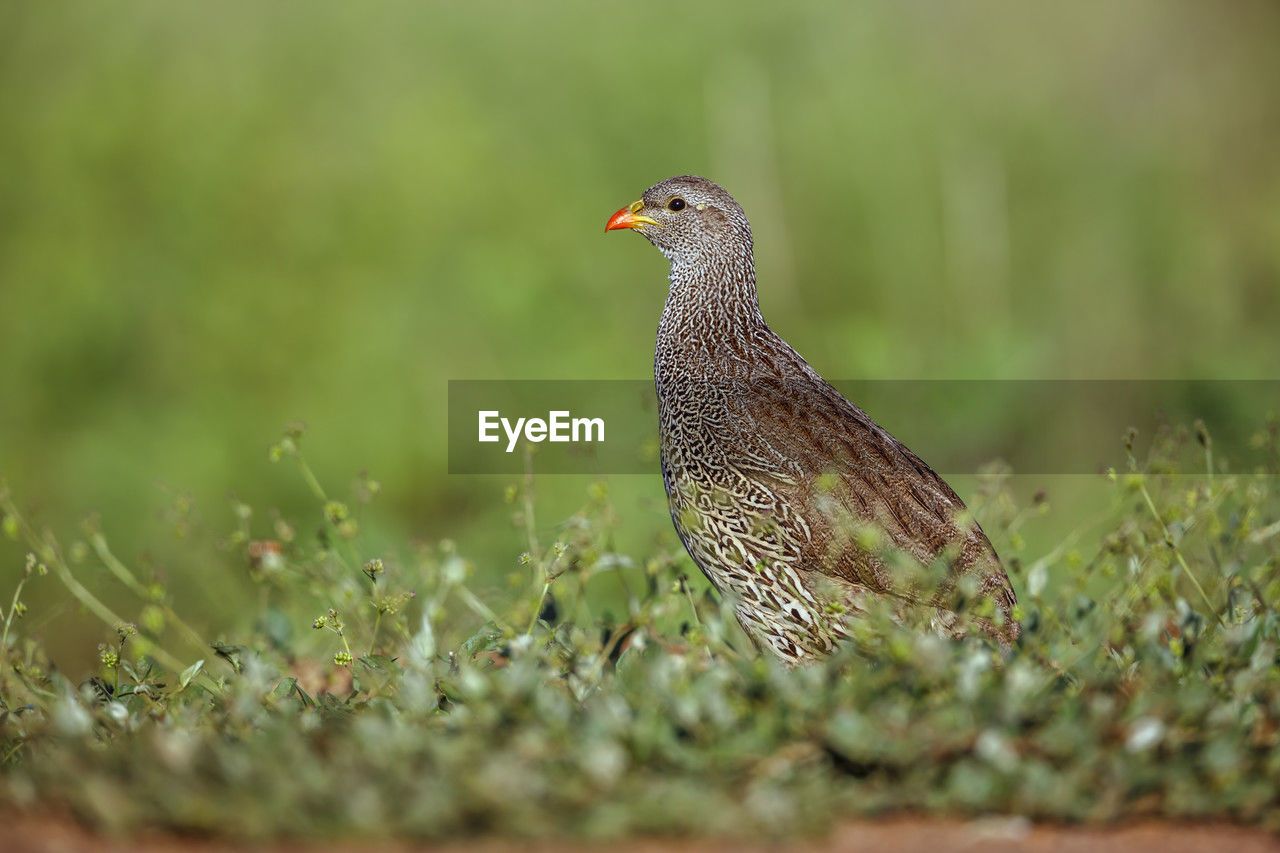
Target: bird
789, 498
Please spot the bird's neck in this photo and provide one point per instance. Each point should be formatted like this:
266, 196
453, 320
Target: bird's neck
712, 314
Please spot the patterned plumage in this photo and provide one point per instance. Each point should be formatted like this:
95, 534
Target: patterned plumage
774, 479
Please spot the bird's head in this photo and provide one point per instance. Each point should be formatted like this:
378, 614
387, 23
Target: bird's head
689, 219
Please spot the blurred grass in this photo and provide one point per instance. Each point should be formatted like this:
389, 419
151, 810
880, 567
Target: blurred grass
369, 698
214, 223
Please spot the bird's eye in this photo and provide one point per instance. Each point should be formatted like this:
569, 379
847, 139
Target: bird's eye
675, 204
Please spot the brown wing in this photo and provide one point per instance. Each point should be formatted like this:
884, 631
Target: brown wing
838, 465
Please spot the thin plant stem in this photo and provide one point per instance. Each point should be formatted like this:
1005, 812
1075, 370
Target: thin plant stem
13, 608
46, 548
1151, 505
472, 601
121, 571
313, 483
530, 525
537, 607
688, 594
606, 651
310, 477
373, 640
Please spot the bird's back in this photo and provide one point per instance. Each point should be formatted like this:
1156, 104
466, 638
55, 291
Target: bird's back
776, 481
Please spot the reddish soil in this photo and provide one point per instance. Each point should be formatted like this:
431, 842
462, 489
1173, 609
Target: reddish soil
20, 833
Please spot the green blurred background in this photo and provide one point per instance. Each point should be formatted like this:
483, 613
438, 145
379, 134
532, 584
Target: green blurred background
218, 219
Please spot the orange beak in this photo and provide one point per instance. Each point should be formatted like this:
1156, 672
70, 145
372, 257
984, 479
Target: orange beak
629, 217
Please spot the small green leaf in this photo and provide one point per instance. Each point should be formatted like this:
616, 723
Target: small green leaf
190, 673
486, 638
380, 662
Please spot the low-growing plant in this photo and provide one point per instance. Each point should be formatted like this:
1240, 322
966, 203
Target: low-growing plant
1146, 681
